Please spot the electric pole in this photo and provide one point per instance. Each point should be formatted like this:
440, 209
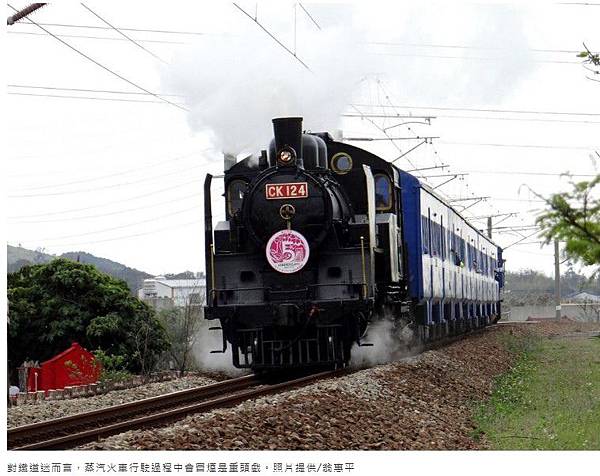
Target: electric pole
556, 280
489, 226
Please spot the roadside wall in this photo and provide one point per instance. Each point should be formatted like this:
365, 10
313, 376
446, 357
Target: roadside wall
578, 312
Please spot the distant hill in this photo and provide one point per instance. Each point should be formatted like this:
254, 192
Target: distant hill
19, 257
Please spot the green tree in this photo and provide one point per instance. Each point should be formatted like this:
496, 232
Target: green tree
51, 305
574, 218
591, 62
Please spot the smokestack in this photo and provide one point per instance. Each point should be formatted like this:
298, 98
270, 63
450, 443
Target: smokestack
288, 132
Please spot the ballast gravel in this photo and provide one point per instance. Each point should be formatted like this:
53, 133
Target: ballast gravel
49, 409
423, 402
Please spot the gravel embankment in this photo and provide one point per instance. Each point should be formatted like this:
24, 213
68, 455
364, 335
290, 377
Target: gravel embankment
417, 403
49, 409
423, 402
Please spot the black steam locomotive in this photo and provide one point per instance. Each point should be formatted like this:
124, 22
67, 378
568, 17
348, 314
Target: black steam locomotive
321, 239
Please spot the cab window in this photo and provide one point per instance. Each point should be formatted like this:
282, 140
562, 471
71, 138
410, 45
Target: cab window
383, 192
235, 195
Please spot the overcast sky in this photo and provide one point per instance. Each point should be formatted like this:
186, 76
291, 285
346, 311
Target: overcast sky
122, 179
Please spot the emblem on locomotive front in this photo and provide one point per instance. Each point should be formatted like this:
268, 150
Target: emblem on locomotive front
287, 251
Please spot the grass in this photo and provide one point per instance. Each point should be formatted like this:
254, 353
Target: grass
550, 399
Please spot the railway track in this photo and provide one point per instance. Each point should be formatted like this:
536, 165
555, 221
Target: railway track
75, 430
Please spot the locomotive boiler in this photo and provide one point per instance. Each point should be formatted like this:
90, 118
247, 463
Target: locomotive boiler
321, 238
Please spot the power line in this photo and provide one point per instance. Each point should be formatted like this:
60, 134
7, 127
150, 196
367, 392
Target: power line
115, 174
106, 187
526, 146
89, 58
371, 139
512, 111
467, 47
89, 37
123, 34
271, 35
471, 58
516, 172
444, 116
101, 205
59, 96
120, 227
383, 43
522, 239
118, 238
502, 199
108, 91
142, 30
118, 212
482, 144
309, 15
388, 136
583, 4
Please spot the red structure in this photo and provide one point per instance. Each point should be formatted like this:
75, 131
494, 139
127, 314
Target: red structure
74, 366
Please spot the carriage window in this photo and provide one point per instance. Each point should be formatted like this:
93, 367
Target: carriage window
425, 234
383, 192
341, 163
235, 195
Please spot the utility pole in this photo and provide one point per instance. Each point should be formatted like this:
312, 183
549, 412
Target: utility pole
556, 280
489, 226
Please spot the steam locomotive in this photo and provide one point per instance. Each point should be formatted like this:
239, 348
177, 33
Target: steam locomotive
321, 239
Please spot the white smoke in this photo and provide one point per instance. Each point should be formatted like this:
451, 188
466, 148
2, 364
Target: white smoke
390, 343
235, 85
234, 88
206, 341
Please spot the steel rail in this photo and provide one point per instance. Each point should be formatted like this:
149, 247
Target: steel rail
40, 430
238, 394
69, 432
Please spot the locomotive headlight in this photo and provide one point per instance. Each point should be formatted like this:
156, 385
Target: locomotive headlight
287, 156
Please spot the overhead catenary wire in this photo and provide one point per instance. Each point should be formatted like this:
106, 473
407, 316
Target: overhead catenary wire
518, 172
490, 118
141, 30
90, 37
273, 37
85, 90
123, 34
381, 43
113, 202
119, 227
135, 235
89, 58
114, 174
63, 96
471, 58
309, 15
471, 109
117, 212
467, 47
107, 187
525, 146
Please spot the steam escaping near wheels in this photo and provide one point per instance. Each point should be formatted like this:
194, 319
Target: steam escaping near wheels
392, 340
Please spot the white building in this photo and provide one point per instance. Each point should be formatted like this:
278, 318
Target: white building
161, 292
